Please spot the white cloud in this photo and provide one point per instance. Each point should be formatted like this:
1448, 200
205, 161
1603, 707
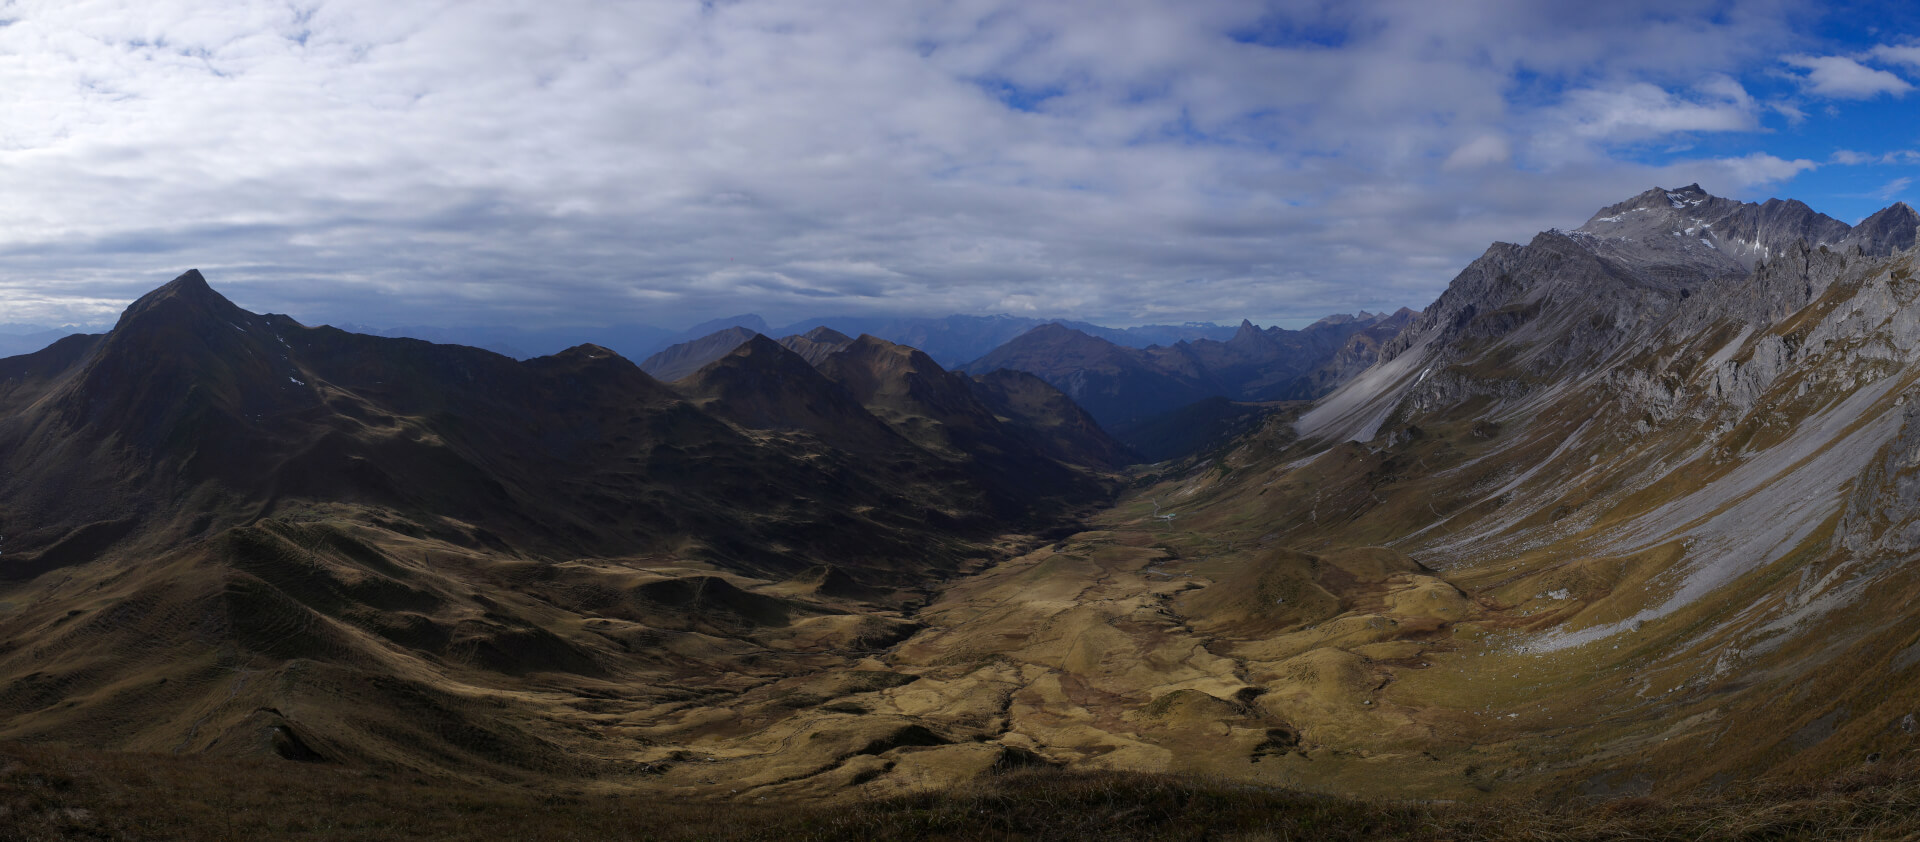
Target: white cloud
1760, 169
1844, 78
1896, 188
1907, 54
1642, 110
1898, 157
1590, 122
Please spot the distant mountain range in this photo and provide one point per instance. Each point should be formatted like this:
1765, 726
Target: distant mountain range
1126, 389
949, 340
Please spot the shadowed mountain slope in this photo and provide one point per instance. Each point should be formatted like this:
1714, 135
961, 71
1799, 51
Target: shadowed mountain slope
193, 414
943, 412
1054, 424
231, 533
761, 385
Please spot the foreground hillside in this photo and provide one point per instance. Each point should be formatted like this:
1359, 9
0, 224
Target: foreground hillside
57, 795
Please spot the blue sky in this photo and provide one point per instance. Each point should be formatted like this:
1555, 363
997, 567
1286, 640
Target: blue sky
1123, 161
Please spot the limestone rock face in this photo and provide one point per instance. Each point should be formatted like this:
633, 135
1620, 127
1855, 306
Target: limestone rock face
1664, 267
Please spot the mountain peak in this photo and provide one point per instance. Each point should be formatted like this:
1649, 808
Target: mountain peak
760, 343
587, 351
827, 334
1249, 337
1890, 230
190, 279
187, 293
1052, 332
185, 298
1657, 198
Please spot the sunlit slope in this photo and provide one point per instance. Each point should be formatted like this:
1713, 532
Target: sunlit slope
1676, 488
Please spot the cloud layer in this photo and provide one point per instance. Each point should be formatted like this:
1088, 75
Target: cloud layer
574, 162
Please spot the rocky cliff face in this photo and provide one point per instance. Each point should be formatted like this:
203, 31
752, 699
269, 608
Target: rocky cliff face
1659, 267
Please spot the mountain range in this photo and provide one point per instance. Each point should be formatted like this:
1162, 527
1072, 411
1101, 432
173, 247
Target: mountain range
207, 492
950, 340
1139, 393
1124, 387
1628, 510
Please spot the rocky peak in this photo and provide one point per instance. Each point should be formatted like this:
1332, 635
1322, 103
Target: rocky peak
1890, 230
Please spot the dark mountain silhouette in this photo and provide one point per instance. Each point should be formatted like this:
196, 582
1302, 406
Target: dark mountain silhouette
944, 413
761, 385
193, 415
1050, 421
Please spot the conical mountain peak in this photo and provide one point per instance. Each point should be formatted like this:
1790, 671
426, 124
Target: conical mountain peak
183, 296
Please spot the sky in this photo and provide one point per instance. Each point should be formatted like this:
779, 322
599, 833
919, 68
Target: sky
587, 162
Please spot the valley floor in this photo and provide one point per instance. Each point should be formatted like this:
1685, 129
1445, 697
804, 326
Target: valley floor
1174, 671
